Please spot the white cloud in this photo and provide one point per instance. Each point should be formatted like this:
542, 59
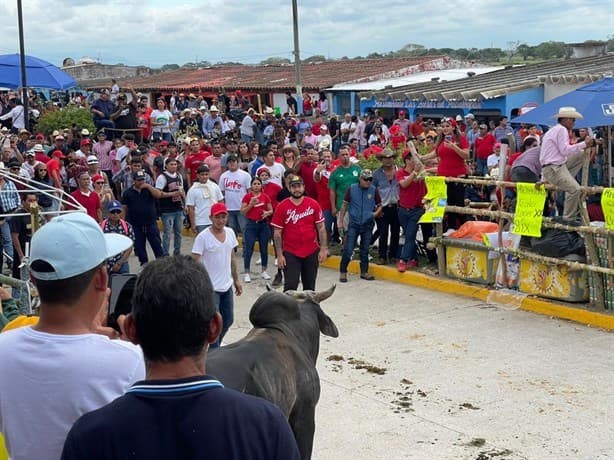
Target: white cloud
154, 32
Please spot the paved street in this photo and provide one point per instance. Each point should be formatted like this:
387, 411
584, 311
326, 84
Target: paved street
417, 374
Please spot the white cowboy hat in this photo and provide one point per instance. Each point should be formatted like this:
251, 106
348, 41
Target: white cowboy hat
568, 112
213, 109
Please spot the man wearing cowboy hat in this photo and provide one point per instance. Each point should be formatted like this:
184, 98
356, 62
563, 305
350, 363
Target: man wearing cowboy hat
561, 161
210, 120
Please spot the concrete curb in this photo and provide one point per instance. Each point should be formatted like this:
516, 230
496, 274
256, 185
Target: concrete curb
450, 286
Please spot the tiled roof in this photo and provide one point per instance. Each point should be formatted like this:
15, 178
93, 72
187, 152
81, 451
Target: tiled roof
502, 82
279, 77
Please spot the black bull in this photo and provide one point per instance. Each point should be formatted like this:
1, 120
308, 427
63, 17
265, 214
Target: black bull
276, 360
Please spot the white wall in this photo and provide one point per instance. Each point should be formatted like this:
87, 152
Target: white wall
279, 100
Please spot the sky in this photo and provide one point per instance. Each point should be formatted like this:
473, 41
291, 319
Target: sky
153, 33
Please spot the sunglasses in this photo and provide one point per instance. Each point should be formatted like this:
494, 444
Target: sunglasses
115, 211
368, 179
42, 170
99, 183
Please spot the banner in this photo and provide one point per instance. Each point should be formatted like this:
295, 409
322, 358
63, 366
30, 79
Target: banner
529, 210
607, 205
435, 199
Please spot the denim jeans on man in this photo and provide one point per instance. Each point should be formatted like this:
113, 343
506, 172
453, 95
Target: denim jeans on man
409, 223
256, 231
356, 230
7, 241
224, 303
142, 234
172, 222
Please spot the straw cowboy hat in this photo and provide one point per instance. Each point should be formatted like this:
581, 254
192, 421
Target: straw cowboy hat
568, 112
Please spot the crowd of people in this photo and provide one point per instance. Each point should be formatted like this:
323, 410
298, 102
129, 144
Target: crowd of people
222, 169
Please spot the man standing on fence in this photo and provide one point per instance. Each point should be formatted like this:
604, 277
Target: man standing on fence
561, 161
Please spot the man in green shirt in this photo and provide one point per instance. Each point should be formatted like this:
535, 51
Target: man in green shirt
341, 178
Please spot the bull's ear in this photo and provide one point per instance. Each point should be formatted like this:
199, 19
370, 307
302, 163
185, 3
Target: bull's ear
327, 327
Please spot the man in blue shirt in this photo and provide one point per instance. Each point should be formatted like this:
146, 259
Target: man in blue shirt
179, 411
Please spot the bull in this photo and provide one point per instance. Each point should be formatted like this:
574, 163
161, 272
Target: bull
276, 360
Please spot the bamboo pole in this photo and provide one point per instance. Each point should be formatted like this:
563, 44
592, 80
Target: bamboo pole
441, 253
589, 239
592, 190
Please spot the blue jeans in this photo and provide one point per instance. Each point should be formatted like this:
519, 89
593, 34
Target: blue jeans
142, 234
200, 228
247, 139
164, 136
354, 231
256, 231
172, 221
224, 303
237, 222
7, 241
124, 269
328, 222
409, 222
481, 167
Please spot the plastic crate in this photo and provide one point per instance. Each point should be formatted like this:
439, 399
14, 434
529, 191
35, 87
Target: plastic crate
469, 264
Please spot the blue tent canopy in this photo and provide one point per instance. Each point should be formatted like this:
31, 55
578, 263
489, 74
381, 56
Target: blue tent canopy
39, 73
594, 101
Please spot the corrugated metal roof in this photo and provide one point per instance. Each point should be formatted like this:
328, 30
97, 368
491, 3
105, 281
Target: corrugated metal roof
280, 77
420, 77
501, 82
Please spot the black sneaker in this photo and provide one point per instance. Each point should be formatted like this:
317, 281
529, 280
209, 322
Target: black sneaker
277, 280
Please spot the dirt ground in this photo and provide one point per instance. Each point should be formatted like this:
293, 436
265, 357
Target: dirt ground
417, 374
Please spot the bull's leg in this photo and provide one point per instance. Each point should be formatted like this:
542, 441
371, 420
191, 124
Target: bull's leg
302, 421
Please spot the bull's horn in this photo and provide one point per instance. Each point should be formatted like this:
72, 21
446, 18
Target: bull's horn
323, 295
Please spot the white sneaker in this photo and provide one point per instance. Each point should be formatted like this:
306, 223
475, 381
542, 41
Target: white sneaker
247, 278
258, 261
265, 276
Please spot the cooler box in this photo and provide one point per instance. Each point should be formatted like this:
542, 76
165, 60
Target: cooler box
553, 281
469, 263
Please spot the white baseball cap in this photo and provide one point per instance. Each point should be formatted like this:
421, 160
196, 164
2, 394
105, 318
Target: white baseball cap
73, 244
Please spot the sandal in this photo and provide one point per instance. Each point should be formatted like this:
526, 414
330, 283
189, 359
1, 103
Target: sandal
343, 278
367, 276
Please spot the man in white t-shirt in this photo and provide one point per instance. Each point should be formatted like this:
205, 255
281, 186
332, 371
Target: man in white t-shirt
59, 369
201, 196
234, 184
277, 170
214, 248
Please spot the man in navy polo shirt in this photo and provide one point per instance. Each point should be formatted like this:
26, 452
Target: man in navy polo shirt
179, 412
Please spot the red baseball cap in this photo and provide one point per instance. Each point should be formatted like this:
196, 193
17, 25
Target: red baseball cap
165, 143
58, 154
218, 208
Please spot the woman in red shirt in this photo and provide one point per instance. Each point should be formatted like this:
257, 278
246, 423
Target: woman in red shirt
452, 150
256, 206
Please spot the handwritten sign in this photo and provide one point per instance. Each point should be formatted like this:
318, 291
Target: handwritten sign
435, 200
607, 204
529, 210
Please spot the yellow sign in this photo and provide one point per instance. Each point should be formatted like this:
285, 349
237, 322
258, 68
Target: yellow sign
529, 210
607, 204
435, 199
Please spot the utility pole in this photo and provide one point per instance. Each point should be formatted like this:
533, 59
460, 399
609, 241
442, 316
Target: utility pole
24, 83
297, 60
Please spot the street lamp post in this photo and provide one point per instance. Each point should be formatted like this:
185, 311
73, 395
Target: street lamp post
297, 60
24, 84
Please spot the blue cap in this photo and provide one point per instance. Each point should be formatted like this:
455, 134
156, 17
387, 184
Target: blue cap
73, 244
115, 206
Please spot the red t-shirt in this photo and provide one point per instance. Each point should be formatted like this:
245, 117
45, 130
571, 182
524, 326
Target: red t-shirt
484, 146
298, 224
40, 156
54, 165
323, 190
450, 162
416, 128
255, 213
272, 189
192, 163
411, 196
91, 203
306, 172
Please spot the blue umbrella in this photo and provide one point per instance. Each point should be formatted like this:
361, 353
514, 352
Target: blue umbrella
39, 73
594, 101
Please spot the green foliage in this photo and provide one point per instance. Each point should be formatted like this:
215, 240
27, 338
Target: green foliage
66, 118
275, 61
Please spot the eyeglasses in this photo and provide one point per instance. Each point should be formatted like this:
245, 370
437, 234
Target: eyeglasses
99, 183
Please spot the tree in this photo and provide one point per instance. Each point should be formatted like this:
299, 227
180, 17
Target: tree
315, 58
524, 50
66, 118
275, 61
167, 67
550, 50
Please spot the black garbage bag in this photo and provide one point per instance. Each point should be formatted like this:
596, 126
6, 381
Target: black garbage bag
559, 243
